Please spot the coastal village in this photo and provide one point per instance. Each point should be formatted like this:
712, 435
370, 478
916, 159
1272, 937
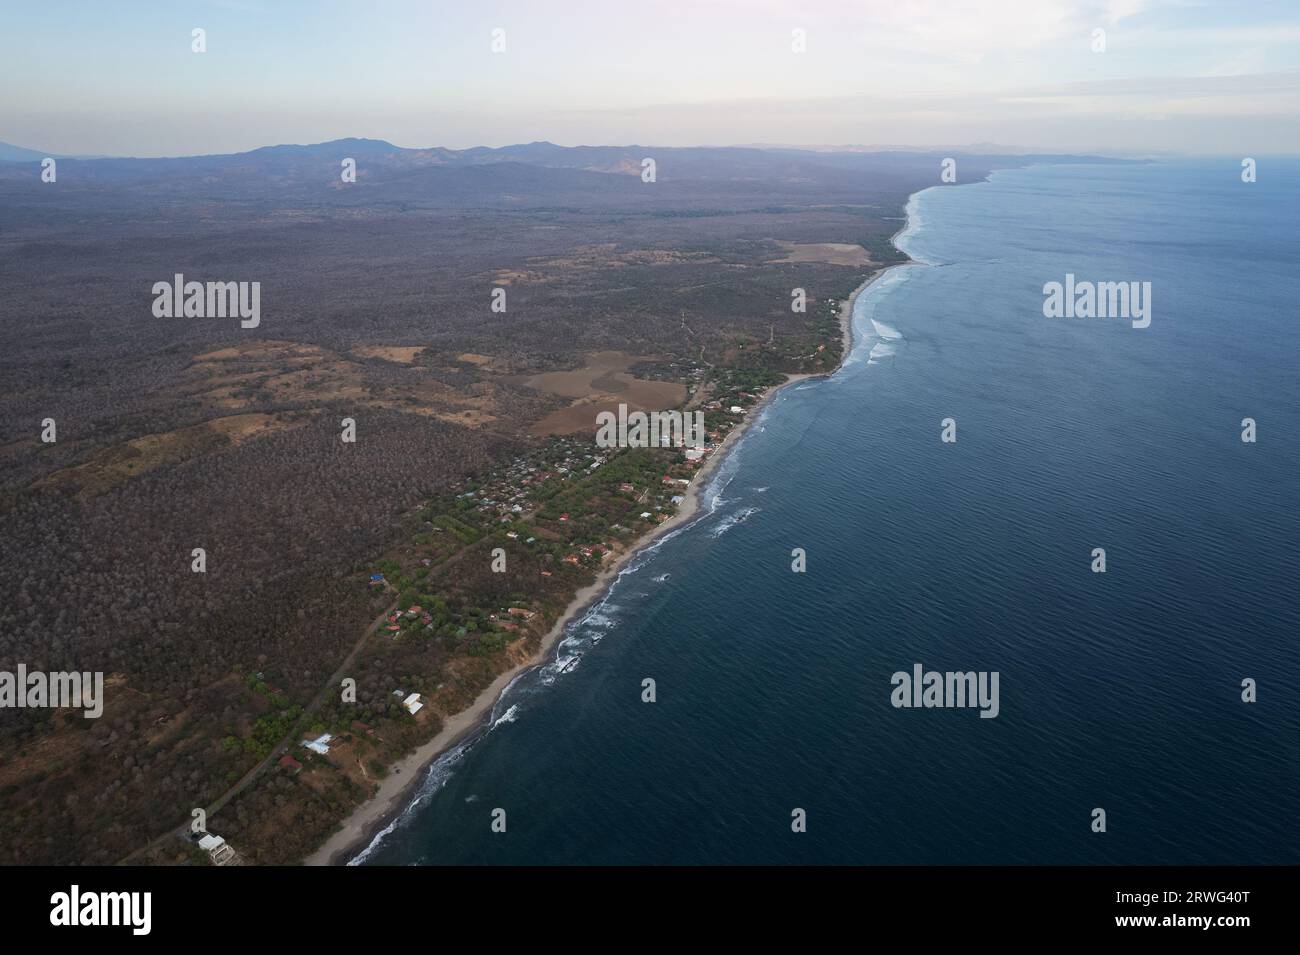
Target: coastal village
490, 565
485, 571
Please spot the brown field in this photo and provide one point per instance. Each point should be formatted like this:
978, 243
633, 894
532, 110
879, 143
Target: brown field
401, 354
121, 462
290, 372
829, 253
263, 350
285, 373
601, 384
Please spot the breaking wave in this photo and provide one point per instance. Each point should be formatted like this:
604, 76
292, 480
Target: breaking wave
731, 520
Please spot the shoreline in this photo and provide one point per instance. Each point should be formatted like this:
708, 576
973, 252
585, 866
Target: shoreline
381, 809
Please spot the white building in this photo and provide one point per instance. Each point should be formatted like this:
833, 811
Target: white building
321, 744
218, 851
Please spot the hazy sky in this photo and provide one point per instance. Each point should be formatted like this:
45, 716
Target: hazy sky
119, 76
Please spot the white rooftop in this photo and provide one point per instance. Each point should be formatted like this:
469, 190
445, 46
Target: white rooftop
320, 744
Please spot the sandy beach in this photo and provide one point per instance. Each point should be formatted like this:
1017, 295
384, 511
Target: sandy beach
398, 787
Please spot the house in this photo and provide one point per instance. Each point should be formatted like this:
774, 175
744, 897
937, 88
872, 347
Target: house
321, 744
694, 454
210, 842
626, 487
413, 704
546, 573
291, 764
376, 579
218, 850
361, 727
736, 409
645, 515
571, 559
522, 612
564, 517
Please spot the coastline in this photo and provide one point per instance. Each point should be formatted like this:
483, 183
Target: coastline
378, 811
359, 829
846, 310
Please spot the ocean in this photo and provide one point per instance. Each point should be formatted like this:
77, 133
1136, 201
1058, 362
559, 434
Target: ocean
1120, 691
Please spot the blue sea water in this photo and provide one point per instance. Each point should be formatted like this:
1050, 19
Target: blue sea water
1119, 690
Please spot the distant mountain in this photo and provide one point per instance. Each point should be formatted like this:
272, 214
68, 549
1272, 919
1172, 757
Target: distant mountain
527, 175
290, 162
352, 146
11, 153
